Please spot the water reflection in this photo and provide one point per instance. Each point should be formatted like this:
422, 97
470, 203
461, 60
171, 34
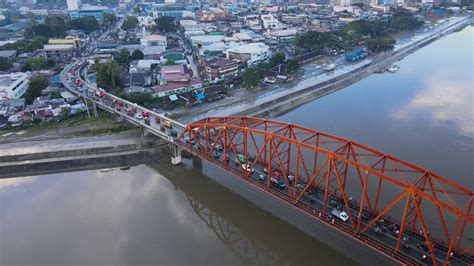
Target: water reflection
446, 101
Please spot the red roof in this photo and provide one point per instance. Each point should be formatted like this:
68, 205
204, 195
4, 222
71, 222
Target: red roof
176, 85
177, 72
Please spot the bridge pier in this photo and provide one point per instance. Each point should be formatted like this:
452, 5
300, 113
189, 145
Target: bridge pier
175, 155
118, 118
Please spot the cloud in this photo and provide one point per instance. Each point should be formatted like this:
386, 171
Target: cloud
444, 101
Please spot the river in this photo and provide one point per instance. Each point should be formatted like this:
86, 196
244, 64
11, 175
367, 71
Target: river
158, 214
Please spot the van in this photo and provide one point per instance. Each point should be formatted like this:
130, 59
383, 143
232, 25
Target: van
168, 124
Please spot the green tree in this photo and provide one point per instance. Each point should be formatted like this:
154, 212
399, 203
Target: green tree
55, 95
130, 23
5, 64
109, 19
292, 65
57, 25
250, 77
380, 44
108, 76
122, 56
35, 86
165, 24
137, 55
87, 24
276, 59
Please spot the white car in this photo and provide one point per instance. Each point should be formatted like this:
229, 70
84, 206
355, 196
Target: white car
139, 116
247, 168
340, 214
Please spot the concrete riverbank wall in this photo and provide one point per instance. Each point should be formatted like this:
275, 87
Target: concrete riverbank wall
82, 153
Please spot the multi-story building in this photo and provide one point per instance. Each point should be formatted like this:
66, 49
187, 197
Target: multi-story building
252, 53
157, 42
218, 67
270, 22
13, 85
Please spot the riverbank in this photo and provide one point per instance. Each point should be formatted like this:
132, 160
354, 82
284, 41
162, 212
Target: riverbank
271, 103
80, 153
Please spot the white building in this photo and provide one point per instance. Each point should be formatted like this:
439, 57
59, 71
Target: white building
270, 22
13, 85
252, 53
72, 5
157, 42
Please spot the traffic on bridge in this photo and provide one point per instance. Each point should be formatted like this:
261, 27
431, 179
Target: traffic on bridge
401, 210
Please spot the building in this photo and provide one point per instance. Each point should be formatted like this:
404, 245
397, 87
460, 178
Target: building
68, 40
218, 67
252, 53
8, 54
270, 22
72, 5
93, 11
283, 35
59, 50
13, 85
153, 40
176, 80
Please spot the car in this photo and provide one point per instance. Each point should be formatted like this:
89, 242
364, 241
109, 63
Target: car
173, 133
291, 178
278, 182
145, 114
342, 215
218, 147
157, 119
216, 155
248, 168
138, 116
146, 120
262, 177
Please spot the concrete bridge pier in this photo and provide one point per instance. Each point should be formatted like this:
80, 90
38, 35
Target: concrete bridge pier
118, 118
175, 155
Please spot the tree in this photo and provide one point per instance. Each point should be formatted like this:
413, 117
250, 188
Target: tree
122, 56
276, 59
88, 24
165, 24
108, 19
250, 77
55, 95
35, 86
292, 65
57, 25
5, 64
130, 23
108, 76
380, 44
137, 55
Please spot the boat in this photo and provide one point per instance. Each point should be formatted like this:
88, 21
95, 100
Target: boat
106, 170
393, 68
125, 167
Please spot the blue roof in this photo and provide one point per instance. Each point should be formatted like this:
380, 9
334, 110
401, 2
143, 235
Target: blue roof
200, 96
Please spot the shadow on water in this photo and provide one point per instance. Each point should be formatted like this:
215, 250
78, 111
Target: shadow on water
255, 236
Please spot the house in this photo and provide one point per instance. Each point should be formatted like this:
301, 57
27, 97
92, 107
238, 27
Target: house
173, 88
176, 80
252, 53
177, 73
8, 54
218, 67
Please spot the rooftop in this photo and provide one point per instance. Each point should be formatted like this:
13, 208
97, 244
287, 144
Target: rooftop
174, 72
248, 48
7, 79
58, 47
176, 85
154, 37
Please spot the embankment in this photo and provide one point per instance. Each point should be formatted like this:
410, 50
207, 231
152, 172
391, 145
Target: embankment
62, 155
